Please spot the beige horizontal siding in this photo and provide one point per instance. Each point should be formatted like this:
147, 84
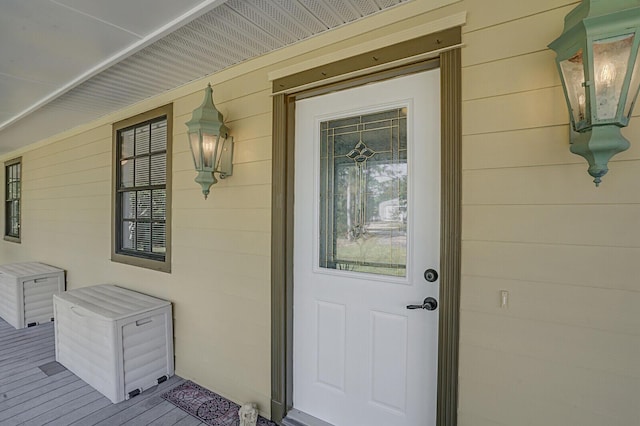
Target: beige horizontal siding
591, 266
489, 13
581, 306
563, 352
553, 184
517, 111
553, 344
520, 396
529, 147
526, 35
523, 223
516, 74
221, 249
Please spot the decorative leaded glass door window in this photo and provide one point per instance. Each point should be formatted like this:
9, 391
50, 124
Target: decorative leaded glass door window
363, 193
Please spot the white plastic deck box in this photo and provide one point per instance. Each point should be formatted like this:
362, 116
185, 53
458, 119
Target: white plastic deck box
119, 341
26, 292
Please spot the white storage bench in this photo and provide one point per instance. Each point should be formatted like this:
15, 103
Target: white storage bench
26, 292
117, 340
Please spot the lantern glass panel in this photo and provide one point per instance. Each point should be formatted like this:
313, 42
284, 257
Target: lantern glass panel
209, 142
194, 142
633, 87
222, 146
573, 75
610, 59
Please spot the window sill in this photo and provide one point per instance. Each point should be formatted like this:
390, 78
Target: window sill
156, 265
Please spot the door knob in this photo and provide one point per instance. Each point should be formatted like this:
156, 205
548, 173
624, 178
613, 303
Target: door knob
429, 304
431, 275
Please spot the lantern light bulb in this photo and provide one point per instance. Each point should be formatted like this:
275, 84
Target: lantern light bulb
208, 144
582, 102
607, 74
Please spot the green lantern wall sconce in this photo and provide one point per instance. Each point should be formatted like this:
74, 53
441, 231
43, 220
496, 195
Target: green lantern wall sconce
210, 143
597, 58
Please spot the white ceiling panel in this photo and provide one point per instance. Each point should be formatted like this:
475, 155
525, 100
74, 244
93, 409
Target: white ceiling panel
138, 16
324, 11
48, 121
40, 41
18, 93
268, 16
365, 7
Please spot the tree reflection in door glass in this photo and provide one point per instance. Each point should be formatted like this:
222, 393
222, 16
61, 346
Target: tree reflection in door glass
363, 193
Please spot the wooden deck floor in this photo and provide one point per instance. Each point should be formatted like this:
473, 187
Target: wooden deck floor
28, 396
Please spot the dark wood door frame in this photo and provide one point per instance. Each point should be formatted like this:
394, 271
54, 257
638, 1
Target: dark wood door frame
282, 208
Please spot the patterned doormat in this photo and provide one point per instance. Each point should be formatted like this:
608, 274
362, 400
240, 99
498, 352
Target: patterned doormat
207, 406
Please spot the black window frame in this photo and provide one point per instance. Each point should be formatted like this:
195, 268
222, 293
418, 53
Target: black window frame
14, 164
118, 253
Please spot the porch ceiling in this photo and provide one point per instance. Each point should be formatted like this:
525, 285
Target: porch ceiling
67, 62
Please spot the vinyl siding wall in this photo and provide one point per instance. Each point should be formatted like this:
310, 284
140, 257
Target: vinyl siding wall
564, 352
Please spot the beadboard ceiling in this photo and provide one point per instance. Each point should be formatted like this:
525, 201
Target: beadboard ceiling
66, 62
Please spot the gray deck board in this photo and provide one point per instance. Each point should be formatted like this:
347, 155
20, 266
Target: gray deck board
82, 412
16, 406
21, 379
33, 385
128, 414
188, 421
32, 349
19, 376
112, 410
15, 343
69, 406
6, 334
39, 395
150, 416
28, 361
42, 409
170, 418
29, 397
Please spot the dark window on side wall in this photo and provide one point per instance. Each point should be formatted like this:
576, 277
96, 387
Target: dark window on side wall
142, 176
13, 194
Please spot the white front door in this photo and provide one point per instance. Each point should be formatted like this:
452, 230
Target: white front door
366, 228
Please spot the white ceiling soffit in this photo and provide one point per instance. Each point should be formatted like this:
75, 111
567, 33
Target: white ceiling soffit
50, 46
231, 32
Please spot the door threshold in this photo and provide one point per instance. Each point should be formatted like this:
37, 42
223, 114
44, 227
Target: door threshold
299, 418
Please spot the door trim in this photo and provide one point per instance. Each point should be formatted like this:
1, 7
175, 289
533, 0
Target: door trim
450, 231
450, 236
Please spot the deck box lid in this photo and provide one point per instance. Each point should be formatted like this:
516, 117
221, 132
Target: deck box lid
27, 269
111, 302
